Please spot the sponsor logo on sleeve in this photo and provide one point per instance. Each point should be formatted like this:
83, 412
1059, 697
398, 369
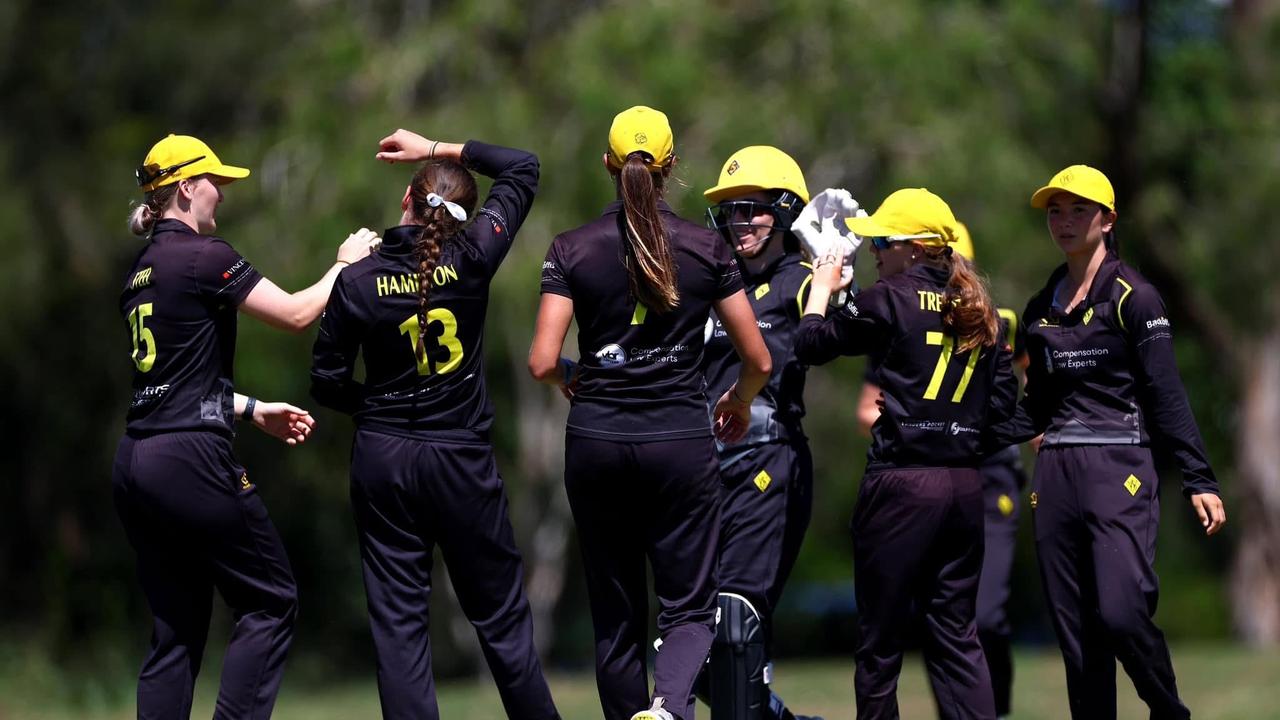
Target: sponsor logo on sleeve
240, 266
141, 279
1160, 322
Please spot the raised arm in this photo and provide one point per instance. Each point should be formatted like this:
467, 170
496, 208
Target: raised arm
515, 181
853, 330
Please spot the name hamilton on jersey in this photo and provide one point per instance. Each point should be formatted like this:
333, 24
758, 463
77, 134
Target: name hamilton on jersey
408, 282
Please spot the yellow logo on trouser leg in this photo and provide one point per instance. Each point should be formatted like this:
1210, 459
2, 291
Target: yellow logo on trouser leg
1035, 500
1005, 503
1132, 483
244, 481
762, 480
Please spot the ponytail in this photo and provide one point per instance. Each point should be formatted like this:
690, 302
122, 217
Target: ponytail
454, 183
651, 270
144, 215
967, 310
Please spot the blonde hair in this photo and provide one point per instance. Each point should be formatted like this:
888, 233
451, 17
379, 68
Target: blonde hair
144, 215
967, 309
651, 270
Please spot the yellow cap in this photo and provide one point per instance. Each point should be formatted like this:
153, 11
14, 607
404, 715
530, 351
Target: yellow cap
181, 156
641, 129
1081, 180
963, 244
758, 167
910, 211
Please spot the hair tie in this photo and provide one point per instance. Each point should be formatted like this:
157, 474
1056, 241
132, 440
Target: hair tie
454, 209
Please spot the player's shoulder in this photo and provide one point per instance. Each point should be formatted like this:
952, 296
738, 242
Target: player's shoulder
874, 300
371, 264
586, 237
1127, 279
695, 237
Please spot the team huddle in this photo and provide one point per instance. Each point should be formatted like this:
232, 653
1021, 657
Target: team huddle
685, 453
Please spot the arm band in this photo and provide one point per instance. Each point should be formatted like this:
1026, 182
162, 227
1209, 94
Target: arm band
248, 409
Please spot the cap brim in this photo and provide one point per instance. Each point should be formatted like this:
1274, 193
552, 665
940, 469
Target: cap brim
721, 192
1040, 198
868, 227
229, 172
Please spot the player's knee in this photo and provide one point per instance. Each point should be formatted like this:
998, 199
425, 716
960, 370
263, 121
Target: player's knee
990, 621
284, 604
737, 621
1123, 619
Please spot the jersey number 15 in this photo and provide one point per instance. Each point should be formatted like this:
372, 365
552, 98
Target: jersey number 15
141, 335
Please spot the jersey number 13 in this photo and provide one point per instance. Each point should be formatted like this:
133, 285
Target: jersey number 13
448, 340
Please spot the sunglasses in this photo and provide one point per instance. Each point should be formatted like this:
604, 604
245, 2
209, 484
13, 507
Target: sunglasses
883, 242
146, 177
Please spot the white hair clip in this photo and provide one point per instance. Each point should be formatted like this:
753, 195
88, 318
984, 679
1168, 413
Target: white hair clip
454, 209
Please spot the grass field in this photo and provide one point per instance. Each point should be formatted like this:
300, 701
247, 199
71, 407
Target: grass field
1219, 683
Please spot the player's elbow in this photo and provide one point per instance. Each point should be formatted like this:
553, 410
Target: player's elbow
764, 363
867, 417
296, 324
543, 369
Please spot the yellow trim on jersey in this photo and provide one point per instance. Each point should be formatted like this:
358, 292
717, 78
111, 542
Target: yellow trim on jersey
1127, 289
803, 286
1010, 317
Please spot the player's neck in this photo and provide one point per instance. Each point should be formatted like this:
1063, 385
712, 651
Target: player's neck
1081, 269
186, 217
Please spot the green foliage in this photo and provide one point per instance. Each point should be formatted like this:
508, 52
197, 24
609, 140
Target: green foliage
980, 101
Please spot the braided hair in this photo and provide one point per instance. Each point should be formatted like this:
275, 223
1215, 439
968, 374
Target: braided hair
451, 181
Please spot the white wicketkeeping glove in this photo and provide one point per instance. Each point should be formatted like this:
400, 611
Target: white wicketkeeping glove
822, 230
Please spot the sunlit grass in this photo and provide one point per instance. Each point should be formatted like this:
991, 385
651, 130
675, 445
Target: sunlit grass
1218, 682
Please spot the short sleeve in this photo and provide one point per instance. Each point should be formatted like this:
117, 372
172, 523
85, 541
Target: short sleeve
223, 275
555, 273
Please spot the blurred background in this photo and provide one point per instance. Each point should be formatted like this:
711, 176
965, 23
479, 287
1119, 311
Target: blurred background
1178, 101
